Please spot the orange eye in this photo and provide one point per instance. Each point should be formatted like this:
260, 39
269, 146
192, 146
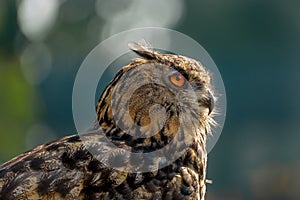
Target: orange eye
177, 79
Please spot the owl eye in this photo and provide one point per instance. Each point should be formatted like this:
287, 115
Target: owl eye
177, 79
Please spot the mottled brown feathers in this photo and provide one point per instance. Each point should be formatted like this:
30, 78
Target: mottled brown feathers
76, 167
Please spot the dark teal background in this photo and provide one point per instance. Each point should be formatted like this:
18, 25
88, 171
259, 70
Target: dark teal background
255, 44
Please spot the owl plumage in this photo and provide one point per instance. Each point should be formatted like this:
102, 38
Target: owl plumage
79, 166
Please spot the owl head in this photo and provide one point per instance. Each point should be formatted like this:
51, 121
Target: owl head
156, 98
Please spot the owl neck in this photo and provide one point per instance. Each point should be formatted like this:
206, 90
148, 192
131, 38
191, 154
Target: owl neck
194, 157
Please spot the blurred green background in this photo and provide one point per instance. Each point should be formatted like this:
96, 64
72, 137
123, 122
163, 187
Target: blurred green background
255, 44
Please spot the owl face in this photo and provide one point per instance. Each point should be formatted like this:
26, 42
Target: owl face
161, 93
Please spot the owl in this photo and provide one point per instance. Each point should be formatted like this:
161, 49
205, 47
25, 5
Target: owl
148, 140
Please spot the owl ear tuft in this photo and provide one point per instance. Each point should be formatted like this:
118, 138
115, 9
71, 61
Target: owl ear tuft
142, 50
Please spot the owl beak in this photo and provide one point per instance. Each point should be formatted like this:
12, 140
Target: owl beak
210, 102
211, 107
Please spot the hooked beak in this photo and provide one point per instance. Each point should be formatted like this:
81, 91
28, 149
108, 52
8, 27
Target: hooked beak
209, 102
